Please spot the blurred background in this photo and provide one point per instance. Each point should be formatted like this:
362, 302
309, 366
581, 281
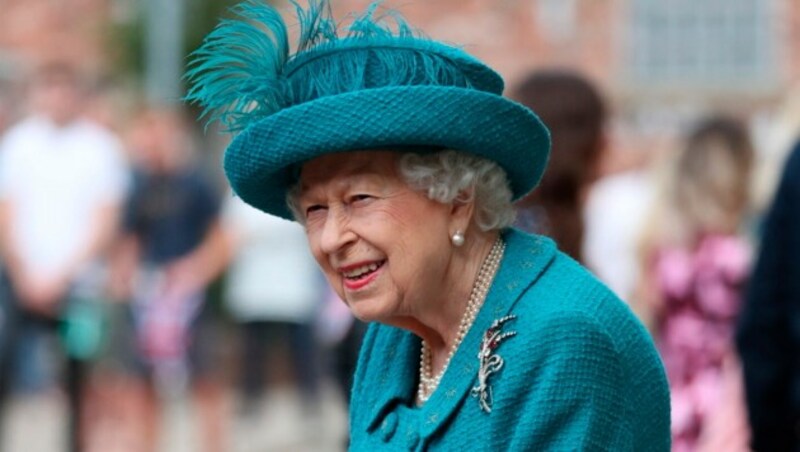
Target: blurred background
167, 318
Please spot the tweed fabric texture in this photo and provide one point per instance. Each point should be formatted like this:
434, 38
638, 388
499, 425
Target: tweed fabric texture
581, 373
262, 162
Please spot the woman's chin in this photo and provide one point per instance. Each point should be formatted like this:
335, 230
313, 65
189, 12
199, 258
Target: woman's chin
365, 315
369, 310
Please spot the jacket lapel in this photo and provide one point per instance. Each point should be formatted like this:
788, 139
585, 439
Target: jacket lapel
525, 259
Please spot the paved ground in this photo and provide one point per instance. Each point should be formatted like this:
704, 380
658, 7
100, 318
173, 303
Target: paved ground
277, 423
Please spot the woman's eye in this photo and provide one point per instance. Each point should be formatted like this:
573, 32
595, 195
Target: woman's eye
359, 198
314, 208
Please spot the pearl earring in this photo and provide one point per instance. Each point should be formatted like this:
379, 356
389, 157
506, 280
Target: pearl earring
457, 238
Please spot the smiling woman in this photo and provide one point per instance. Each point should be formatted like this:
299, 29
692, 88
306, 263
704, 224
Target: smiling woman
401, 158
361, 218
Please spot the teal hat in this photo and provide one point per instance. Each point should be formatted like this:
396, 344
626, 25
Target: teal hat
376, 85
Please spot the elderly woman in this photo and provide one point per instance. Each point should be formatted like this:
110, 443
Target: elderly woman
401, 159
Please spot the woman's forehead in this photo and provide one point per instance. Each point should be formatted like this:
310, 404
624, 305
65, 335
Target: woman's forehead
331, 168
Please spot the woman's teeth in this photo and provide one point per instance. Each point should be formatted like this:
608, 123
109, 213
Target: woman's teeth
361, 271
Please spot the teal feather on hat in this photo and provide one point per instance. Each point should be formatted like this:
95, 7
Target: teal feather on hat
244, 72
236, 72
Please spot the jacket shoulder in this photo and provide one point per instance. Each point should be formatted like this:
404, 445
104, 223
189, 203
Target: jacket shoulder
576, 337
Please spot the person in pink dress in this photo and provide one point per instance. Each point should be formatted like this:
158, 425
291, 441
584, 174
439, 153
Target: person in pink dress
696, 261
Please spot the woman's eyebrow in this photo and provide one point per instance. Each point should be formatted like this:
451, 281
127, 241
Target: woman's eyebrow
338, 184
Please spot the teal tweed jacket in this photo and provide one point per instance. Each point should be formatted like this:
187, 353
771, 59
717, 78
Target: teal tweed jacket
581, 373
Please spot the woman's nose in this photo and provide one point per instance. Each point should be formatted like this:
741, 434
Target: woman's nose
336, 233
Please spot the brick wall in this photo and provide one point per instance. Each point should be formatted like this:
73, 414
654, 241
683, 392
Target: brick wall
509, 36
35, 30
513, 36
791, 34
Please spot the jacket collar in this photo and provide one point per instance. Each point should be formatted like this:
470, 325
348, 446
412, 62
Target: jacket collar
525, 259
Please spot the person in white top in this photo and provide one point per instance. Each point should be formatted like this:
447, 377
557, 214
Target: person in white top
62, 180
273, 288
272, 275
615, 213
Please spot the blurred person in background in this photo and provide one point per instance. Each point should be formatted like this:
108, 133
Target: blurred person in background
767, 337
615, 213
62, 181
575, 113
341, 335
274, 291
696, 260
169, 252
593, 220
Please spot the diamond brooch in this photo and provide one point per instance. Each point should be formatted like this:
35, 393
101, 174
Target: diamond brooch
490, 361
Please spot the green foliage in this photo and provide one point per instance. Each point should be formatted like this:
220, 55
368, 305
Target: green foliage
127, 39
202, 16
125, 42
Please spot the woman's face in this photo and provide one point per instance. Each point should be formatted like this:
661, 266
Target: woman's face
384, 247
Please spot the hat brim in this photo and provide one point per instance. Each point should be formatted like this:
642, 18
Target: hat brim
261, 162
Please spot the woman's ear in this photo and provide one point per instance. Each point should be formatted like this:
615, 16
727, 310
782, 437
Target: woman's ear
462, 210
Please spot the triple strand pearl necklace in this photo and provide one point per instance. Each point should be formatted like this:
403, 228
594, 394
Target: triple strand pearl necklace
428, 382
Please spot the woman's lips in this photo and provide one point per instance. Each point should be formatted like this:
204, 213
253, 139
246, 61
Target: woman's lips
358, 279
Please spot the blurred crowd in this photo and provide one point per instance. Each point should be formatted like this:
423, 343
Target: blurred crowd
131, 276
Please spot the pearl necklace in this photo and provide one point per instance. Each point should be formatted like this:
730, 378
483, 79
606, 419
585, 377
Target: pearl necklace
428, 382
